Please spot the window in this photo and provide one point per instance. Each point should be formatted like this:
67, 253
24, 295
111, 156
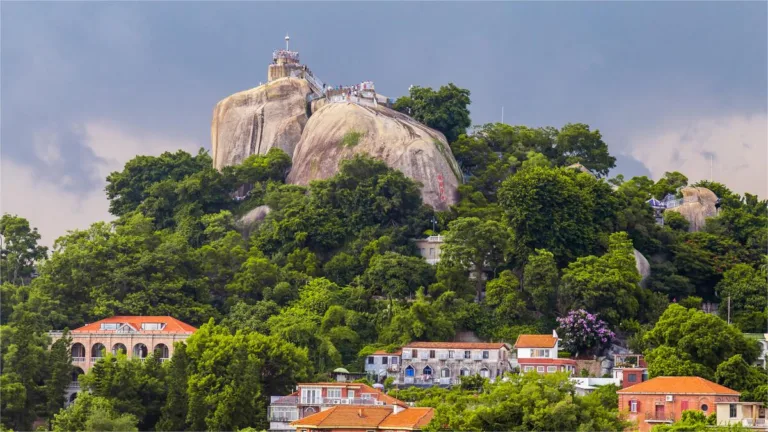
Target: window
110, 326
151, 326
427, 371
733, 410
683, 405
409, 372
414, 354
539, 369
632, 378
486, 354
431, 252
351, 394
704, 407
551, 369
539, 353
370, 360
384, 360
633, 406
445, 373
528, 368
394, 360
334, 393
467, 354
450, 354
431, 353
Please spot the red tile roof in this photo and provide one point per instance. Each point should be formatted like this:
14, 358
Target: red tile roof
341, 417
559, 361
172, 325
679, 385
535, 341
411, 418
457, 345
363, 388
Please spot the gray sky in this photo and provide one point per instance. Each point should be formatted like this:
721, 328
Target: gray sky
87, 86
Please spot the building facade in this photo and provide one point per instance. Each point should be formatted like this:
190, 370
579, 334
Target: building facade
382, 364
312, 398
629, 369
136, 336
444, 363
762, 340
538, 353
748, 414
429, 248
661, 400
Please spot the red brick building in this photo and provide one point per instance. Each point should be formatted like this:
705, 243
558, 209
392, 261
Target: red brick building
662, 399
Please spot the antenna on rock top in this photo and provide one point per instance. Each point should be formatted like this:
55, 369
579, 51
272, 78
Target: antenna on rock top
287, 39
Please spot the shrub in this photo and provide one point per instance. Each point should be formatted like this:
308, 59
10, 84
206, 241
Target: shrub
351, 138
583, 332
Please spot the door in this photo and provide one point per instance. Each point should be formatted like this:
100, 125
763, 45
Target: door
659, 414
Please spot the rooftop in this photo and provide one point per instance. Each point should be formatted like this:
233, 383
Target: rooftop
535, 341
457, 345
130, 324
368, 418
679, 385
363, 388
382, 352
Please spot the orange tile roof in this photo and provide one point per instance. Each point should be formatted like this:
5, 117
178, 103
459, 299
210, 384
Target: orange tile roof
535, 341
368, 418
679, 385
411, 418
345, 417
364, 388
172, 325
382, 352
457, 345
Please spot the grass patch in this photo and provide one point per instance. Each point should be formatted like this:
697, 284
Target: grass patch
351, 138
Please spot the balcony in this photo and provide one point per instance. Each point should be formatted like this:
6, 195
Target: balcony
753, 423
408, 380
312, 401
393, 368
283, 415
445, 381
350, 401
659, 417
284, 400
78, 359
73, 386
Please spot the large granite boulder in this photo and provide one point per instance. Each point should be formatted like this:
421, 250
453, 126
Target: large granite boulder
698, 205
643, 267
337, 131
253, 121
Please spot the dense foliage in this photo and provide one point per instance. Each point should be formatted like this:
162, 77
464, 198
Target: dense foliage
288, 282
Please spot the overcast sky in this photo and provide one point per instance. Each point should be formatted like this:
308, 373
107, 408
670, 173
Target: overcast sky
87, 86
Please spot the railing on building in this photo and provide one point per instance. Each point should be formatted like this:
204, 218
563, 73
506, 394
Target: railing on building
660, 417
78, 359
73, 386
284, 400
283, 414
749, 422
435, 239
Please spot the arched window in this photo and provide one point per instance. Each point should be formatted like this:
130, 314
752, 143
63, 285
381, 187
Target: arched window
78, 352
464, 372
119, 348
409, 371
485, 373
427, 370
97, 351
161, 350
76, 372
445, 373
140, 351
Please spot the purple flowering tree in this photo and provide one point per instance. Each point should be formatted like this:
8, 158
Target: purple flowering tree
583, 333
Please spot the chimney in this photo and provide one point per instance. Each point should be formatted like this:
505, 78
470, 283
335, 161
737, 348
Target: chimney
397, 408
554, 334
360, 412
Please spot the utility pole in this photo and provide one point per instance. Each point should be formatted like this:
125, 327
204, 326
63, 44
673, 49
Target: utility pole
287, 39
502, 115
711, 156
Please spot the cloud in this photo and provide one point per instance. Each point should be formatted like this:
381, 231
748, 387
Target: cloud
52, 204
735, 145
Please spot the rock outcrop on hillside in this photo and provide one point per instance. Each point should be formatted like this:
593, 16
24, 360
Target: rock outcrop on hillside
643, 267
337, 131
698, 205
253, 121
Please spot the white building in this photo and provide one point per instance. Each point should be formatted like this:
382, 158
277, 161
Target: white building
538, 353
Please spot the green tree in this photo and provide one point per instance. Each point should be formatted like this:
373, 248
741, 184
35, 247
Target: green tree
751, 381
607, 285
93, 414
174, 412
560, 210
231, 376
575, 143
19, 251
445, 109
59, 375
743, 288
540, 281
699, 337
397, 276
475, 246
